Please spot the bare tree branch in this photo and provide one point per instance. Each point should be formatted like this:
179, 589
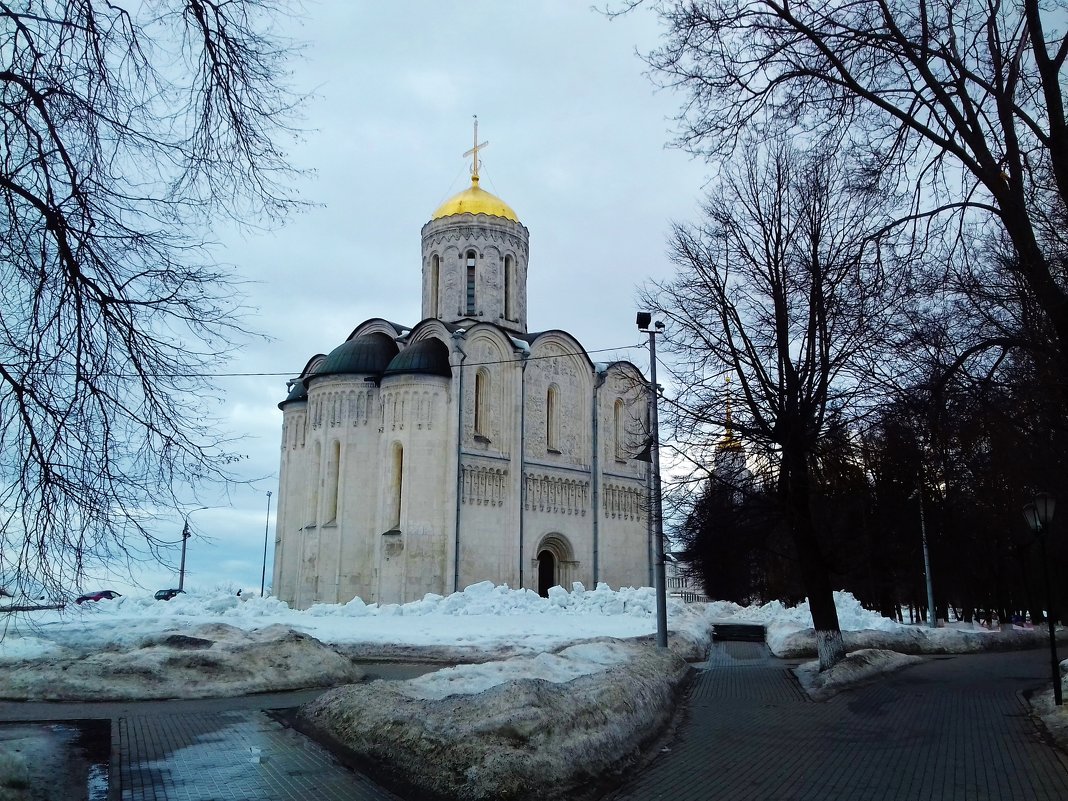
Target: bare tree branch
128, 130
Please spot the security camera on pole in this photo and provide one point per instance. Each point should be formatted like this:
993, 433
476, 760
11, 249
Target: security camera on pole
646, 325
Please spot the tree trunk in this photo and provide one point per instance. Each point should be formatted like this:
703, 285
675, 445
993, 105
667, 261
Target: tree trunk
829, 644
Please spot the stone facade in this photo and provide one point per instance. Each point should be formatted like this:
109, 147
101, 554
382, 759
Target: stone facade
463, 449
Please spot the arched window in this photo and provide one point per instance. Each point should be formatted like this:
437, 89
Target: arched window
435, 276
396, 485
620, 430
509, 288
482, 403
333, 473
471, 282
552, 423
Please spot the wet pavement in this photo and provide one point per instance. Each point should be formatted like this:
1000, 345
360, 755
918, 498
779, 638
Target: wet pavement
173, 751
57, 761
182, 750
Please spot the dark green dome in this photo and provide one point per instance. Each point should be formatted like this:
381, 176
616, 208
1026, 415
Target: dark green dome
428, 357
369, 354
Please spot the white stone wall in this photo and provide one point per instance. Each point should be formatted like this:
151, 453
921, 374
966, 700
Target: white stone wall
623, 552
557, 361
490, 459
492, 239
555, 488
411, 558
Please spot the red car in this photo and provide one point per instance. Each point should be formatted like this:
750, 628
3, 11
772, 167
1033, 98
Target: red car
100, 595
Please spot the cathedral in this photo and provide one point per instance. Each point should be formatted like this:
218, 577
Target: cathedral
422, 459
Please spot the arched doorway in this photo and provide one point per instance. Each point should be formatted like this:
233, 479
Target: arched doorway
546, 572
555, 563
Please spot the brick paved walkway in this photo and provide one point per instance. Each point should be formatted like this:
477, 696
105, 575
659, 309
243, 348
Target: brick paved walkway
951, 729
240, 755
211, 750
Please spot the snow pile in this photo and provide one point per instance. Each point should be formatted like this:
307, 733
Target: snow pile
568, 664
789, 629
486, 598
483, 621
858, 667
852, 616
521, 739
207, 661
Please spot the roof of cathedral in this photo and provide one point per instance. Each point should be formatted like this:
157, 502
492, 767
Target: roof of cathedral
297, 392
427, 357
369, 354
475, 200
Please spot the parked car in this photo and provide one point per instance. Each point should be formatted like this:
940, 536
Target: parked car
166, 595
99, 595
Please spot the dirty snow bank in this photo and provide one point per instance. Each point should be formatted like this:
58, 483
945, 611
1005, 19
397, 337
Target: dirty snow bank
568, 664
787, 642
125, 648
790, 636
523, 738
205, 661
481, 621
857, 667
1055, 718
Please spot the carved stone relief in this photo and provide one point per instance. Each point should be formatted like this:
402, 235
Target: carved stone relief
407, 407
484, 486
545, 493
572, 417
626, 503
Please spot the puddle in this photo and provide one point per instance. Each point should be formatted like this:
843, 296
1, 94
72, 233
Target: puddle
57, 761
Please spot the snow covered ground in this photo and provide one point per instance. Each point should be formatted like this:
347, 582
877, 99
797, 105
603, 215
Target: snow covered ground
557, 653
116, 639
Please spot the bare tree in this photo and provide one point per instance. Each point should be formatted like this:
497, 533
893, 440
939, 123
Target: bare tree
774, 289
962, 102
129, 129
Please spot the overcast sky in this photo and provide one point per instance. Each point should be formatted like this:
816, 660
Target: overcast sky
577, 148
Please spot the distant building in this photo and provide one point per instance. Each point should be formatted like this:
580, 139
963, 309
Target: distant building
423, 459
731, 477
729, 468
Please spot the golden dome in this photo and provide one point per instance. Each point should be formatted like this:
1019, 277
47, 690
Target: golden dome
729, 442
475, 200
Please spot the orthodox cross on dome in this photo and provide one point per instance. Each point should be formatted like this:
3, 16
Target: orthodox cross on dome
474, 152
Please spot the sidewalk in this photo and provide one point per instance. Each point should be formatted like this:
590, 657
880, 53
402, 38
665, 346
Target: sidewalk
210, 750
951, 729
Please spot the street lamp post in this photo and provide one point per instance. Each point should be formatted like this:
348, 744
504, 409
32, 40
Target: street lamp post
186, 534
932, 621
646, 324
1038, 515
185, 538
266, 528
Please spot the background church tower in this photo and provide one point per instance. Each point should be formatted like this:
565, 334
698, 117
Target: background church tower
729, 464
475, 254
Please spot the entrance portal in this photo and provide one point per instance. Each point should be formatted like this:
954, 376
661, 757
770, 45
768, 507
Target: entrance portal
546, 573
